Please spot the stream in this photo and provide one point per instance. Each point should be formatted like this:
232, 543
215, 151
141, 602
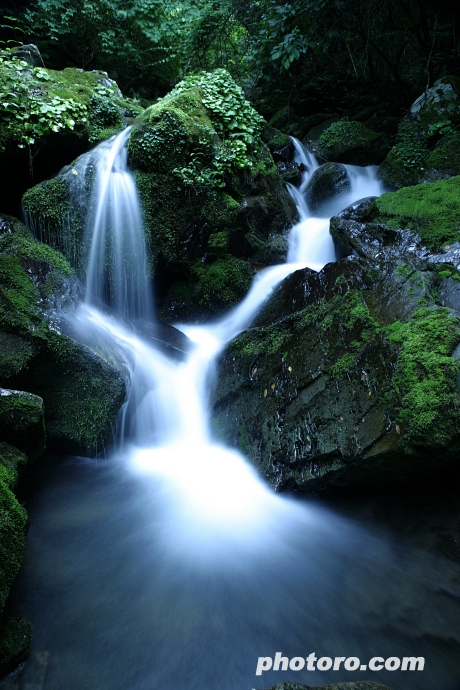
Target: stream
169, 564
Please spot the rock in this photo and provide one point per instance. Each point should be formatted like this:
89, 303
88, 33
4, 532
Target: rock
414, 158
347, 377
82, 391
418, 223
29, 53
439, 102
347, 141
82, 108
15, 634
22, 421
318, 126
326, 182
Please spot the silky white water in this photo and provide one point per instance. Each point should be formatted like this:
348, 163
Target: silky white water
171, 565
213, 492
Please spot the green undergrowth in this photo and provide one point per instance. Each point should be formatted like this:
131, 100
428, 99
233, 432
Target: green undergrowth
342, 135
432, 211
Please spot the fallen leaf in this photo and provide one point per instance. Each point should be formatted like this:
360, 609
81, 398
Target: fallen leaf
265, 393
272, 386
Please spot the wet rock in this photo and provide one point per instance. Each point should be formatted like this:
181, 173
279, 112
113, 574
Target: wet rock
321, 390
415, 224
327, 181
29, 53
82, 391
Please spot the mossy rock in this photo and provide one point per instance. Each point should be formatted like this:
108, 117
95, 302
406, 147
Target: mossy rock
355, 384
82, 391
198, 175
444, 160
440, 102
15, 634
405, 163
22, 421
347, 141
431, 211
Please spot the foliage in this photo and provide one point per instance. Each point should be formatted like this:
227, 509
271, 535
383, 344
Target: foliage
26, 109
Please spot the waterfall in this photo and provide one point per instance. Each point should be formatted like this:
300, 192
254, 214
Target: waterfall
165, 424
117, 271
172, 566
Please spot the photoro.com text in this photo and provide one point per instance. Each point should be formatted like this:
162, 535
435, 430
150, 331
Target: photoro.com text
327, 663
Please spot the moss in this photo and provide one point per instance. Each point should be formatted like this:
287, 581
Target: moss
55, 220
431, 211
15, 634
425, 376
221, 209
82, 395
274, 139
15, 639
405, 163
26, 246
18, 298
446, 156
343, 134
222, 284
21, 417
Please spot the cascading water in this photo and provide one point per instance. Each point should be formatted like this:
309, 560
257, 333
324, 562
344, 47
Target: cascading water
183, 567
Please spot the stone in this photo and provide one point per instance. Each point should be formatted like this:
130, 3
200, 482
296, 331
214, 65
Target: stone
329, 180
346, 377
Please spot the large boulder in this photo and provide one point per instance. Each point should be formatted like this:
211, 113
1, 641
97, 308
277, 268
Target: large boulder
81, 390
348, 376
213, 199
49, 117
15, 633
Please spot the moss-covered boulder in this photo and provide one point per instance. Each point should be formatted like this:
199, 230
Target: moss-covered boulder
418, 223
347, 376
81, 391
348, 141
15, 633
214, 202
49, 117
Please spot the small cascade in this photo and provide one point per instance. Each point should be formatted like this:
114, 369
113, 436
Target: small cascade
117, 271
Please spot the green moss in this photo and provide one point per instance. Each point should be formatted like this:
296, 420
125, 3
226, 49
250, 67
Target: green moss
425, 376
218, 242
82, 395
221, 209
446, 156
18, 298
405, 163
15, 639
342, 135
432, 211
222, 284
15, 634
21, 417
27, 247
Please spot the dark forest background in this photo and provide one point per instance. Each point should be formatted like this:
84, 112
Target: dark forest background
352, 57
